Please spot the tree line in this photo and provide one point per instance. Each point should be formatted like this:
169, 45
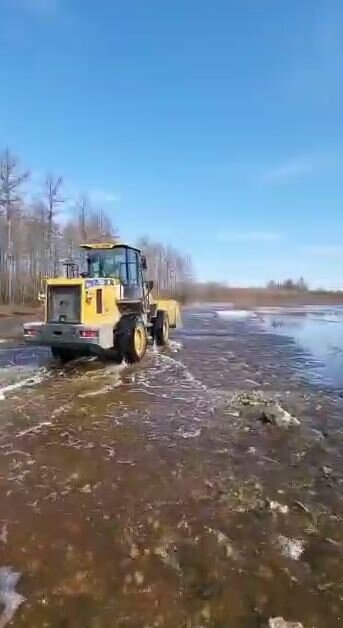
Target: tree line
38, 232
295, 285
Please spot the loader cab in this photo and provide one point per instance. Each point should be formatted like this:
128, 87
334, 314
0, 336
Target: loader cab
117, 261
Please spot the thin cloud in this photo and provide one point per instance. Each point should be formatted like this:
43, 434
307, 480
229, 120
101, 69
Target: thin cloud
290, 170
103, 197
250, 236
324, 250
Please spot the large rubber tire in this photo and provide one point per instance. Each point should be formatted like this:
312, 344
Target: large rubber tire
161, 328
132, 339
62, 354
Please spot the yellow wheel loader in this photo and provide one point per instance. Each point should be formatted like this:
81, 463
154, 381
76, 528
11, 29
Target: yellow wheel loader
107, 311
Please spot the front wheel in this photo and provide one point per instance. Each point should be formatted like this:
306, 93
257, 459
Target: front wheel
132, 339
161, 328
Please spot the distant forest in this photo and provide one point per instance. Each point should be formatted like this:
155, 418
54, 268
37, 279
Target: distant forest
38, 232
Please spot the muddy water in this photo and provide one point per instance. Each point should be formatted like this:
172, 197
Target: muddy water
155, 496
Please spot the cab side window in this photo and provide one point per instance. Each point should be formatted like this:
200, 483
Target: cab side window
133, 268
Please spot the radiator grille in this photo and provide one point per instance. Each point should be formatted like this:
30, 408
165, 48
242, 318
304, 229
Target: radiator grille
64, 304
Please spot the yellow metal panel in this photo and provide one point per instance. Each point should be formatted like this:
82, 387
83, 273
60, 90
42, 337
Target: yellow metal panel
89, 316
110, 313
61, 281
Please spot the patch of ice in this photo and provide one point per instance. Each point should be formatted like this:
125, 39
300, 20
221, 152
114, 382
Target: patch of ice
204, 315
277, 507
279, 622
328, 317
235, 313
291, 548
86, 489
9, 598
190, 433
276, 415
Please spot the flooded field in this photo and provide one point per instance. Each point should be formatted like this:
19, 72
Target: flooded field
201, 488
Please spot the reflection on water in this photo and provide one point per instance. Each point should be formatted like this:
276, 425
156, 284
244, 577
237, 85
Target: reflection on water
156, 496
319, 331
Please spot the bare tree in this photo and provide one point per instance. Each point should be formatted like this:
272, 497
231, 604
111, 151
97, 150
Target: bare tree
11, 181
83, 209
53, 200
168, 268
33, 241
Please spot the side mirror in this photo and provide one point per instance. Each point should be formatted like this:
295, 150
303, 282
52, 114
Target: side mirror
150, 285
144, 264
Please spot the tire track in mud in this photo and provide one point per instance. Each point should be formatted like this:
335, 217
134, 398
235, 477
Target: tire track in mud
32, 393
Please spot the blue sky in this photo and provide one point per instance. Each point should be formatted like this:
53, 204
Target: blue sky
215, 126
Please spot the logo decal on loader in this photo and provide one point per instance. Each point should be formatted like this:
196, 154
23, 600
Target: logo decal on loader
91, 283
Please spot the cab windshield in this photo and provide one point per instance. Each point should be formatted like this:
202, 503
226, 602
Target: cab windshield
120, 263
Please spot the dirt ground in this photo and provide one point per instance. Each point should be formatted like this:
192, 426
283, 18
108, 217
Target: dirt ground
12, 318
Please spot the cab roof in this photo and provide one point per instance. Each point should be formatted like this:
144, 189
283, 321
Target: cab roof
89, 246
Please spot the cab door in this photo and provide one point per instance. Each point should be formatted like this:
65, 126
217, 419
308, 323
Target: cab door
133, 287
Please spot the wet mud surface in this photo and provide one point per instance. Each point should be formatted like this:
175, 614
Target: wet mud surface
158, 495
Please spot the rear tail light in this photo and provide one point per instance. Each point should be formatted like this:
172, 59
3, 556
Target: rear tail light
89, 333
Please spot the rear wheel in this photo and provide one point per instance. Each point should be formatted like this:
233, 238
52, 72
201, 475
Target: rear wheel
62, 354
132, 339
161, 328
